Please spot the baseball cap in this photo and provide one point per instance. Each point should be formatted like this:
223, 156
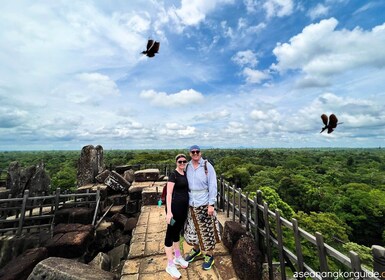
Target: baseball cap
195, 148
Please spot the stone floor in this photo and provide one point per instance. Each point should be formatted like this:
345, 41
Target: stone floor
147, 259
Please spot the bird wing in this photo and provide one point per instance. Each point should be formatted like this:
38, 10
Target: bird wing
155, 48
333, 121
149, 44
324, 119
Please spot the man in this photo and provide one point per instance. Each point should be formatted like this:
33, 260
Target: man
202, 228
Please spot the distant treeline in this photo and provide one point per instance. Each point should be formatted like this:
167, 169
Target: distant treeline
339, 192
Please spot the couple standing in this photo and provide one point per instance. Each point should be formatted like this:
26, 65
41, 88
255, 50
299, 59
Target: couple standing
190, 200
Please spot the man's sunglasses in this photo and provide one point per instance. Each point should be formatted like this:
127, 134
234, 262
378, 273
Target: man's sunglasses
182, 161
195, 152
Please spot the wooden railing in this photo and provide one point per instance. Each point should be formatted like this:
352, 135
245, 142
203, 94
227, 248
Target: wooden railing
36, 213
258, 219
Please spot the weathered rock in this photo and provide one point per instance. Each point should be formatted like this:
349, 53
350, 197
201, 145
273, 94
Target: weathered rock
65, 269
232, 232
40, 182
70, 244
90, 164
117, 255
64, 228
104, 238
136, 189
129, 175
247, 259
81, 215
4, 193
101, 261
101, 177
13, 246
22, 266
130, 224
122, 168
147, 175
116, 182
13, 178
132, 206
151, 195
120, 220
33, 178
117, 199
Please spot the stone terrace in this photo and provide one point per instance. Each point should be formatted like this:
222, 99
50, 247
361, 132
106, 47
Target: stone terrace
147, 259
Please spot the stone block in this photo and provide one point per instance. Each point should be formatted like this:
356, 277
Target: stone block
21, 267
117, 183
147, 175
247, 259
232, 232
101, 177
64, 269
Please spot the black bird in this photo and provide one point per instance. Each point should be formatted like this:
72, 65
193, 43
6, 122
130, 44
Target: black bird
152, 48
333, 121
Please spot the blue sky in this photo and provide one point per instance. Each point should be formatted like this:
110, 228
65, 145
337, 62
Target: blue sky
229, 73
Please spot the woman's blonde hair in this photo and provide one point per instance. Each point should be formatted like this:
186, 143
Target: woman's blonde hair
178, 156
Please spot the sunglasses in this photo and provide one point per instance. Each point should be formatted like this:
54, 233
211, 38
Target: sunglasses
182, 161
195, 152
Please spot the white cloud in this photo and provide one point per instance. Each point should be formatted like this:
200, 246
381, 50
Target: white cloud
193, 12
254, 76
86, 87
319, 10
182, 98
243, 58
321, 51
278, 8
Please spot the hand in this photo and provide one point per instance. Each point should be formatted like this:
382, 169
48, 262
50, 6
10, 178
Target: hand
168, 217
210, 210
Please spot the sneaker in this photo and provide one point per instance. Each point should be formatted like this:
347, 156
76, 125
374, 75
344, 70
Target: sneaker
192, 255
181, 261
173, 271
208, 263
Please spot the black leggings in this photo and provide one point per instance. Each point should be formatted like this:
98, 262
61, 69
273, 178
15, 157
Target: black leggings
173, 232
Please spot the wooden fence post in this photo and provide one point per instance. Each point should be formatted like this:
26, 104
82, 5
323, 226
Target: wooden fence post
356, 264
298, 248
240, 204
247, 212
268, 241
280, 243
233, 203
378, 253
221, 206
22, 213
322, 253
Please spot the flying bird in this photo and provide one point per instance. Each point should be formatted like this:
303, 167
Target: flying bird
152, 48
333, 121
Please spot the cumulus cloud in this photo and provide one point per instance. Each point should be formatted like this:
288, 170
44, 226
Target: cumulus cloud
86, 87
322, 51
243, 58
193, 12
319, 10
278, 8
182, 98
176, 130
254, 76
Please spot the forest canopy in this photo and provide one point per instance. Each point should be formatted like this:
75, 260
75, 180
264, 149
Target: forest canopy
341, 187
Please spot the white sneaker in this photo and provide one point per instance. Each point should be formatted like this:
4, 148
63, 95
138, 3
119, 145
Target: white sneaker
181, 261
173, 271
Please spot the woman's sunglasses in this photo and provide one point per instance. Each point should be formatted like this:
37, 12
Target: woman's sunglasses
182, 161
195, 152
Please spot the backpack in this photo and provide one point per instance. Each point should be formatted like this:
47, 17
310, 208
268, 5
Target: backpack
164, 191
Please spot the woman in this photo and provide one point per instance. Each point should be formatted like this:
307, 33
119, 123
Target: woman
177, 200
